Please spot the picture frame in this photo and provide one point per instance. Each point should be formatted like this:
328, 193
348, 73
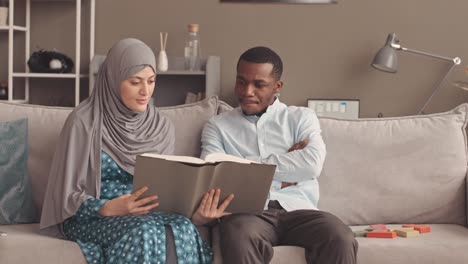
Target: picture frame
283, 1
335, 108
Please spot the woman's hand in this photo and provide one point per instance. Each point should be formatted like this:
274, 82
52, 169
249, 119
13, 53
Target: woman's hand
209, 210
129, 204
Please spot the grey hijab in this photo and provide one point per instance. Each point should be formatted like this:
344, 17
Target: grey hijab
103, 123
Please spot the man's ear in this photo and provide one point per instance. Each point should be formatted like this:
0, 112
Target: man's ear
278, 86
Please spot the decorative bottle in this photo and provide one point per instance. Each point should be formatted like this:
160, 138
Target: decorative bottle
192, 51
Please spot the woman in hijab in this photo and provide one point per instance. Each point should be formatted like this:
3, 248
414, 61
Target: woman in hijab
89, 197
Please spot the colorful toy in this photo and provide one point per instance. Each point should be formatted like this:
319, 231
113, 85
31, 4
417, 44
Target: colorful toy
381, 234
381, 231
379, 227
420, 228
406, 232
360, 233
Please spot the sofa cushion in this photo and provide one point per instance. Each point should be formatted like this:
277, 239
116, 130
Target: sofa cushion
288, 254
396, 170
444, 244
188, 121
45, 124
44, 249
224, 107
16, 201
40, 249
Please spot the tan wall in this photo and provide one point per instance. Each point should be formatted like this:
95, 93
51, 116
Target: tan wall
326, 49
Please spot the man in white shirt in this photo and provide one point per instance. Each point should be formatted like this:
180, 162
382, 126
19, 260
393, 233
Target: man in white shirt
265, 130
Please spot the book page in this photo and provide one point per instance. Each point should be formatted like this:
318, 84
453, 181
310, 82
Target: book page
185, 159
218, 157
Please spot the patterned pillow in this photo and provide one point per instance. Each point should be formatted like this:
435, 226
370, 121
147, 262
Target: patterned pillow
16, 201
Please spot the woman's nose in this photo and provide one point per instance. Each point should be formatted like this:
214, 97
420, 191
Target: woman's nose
144, 90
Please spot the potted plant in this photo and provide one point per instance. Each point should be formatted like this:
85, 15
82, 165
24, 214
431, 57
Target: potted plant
3, 12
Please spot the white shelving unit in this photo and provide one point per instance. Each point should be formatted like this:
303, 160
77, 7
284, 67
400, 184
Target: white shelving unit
11, 28
173, 85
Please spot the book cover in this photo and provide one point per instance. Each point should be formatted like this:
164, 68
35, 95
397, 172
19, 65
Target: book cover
181, 181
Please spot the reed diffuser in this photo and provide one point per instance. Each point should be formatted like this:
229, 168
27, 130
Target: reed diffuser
163, 63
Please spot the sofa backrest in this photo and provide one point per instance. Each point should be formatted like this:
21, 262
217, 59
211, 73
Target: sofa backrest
389, 170
45, 124
396, 170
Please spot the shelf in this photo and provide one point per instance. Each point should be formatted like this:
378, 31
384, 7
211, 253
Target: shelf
26, 28
174, 85
15, 101
181, 72
15, 28
47, 75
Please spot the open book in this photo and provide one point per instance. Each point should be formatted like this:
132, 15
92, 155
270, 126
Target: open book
181, 181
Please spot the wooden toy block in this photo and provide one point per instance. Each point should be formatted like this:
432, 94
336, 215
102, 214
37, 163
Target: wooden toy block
420, 228
403, 228
379, 226
360, 233
406, 233
370, 228
381, 234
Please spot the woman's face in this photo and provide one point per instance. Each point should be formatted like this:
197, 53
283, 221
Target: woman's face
136, 91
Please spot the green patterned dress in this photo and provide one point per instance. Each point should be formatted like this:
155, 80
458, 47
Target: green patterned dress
130, 239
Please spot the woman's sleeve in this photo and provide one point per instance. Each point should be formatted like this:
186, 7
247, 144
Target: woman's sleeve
89, 209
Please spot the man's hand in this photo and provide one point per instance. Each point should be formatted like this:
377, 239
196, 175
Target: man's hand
209, 210
297, 146
129, 204
287, 184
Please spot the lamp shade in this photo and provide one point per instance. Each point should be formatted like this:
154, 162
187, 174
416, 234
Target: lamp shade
386, 59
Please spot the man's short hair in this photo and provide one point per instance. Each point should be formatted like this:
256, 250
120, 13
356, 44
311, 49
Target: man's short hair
264, 55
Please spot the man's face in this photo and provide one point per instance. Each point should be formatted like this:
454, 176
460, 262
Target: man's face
256, 86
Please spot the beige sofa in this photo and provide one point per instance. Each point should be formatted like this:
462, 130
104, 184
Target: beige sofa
392, 171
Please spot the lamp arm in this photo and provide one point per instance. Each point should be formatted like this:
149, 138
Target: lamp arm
394, 43
437, 87
455, 60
